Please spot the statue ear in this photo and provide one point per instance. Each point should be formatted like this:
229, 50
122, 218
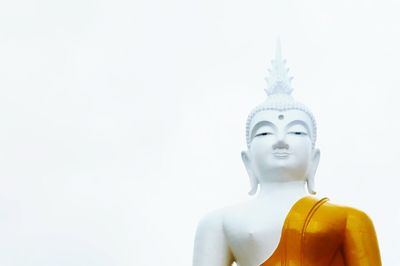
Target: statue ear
252, 177
312, 170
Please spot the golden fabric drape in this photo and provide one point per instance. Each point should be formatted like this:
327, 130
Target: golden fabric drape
317, 233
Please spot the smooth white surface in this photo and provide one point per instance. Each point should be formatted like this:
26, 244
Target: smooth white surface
277, 153
249, 232
122, 122
281, 159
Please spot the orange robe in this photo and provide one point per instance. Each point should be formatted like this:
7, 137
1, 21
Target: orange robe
317, 233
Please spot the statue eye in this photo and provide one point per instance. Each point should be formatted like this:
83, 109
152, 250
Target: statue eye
298, 133
263, 134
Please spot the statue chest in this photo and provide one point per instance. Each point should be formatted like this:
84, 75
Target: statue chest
253, 235
306, 231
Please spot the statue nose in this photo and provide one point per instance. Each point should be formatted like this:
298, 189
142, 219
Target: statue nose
280, 145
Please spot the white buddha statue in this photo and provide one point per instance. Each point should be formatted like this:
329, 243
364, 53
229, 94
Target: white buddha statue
281, 224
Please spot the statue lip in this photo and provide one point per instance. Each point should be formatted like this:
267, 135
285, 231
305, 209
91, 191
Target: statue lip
281, 154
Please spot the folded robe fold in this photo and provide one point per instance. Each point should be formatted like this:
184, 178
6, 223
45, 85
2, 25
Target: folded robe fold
318, 233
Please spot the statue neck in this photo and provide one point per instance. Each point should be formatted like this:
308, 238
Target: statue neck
292, 190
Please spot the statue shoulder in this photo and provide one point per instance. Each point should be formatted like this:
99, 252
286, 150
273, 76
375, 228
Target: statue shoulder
217, 220
211, 221
360, 245
358, 220
351, 216
211, 246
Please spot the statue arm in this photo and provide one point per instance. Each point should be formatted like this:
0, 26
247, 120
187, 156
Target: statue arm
211, 246
360, 243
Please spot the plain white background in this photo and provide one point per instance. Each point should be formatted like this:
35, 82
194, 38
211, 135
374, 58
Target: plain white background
122, 122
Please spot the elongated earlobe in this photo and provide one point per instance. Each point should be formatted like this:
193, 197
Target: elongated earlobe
312, 171
311, 186
253, 179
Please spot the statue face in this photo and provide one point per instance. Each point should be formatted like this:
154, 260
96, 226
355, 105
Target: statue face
281, 147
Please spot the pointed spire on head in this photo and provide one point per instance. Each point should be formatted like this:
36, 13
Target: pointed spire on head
278, 80
279, 98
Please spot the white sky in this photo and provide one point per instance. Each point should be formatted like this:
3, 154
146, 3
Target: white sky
122, 122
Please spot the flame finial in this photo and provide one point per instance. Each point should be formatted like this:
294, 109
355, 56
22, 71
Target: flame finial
278, 80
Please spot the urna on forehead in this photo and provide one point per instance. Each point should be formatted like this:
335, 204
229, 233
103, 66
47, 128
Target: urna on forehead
279, 101
282, 116
281, 119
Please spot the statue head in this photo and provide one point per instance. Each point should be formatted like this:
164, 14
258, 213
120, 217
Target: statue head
280, 135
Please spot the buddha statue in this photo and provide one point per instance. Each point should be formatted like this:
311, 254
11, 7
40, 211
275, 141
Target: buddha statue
282, 224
